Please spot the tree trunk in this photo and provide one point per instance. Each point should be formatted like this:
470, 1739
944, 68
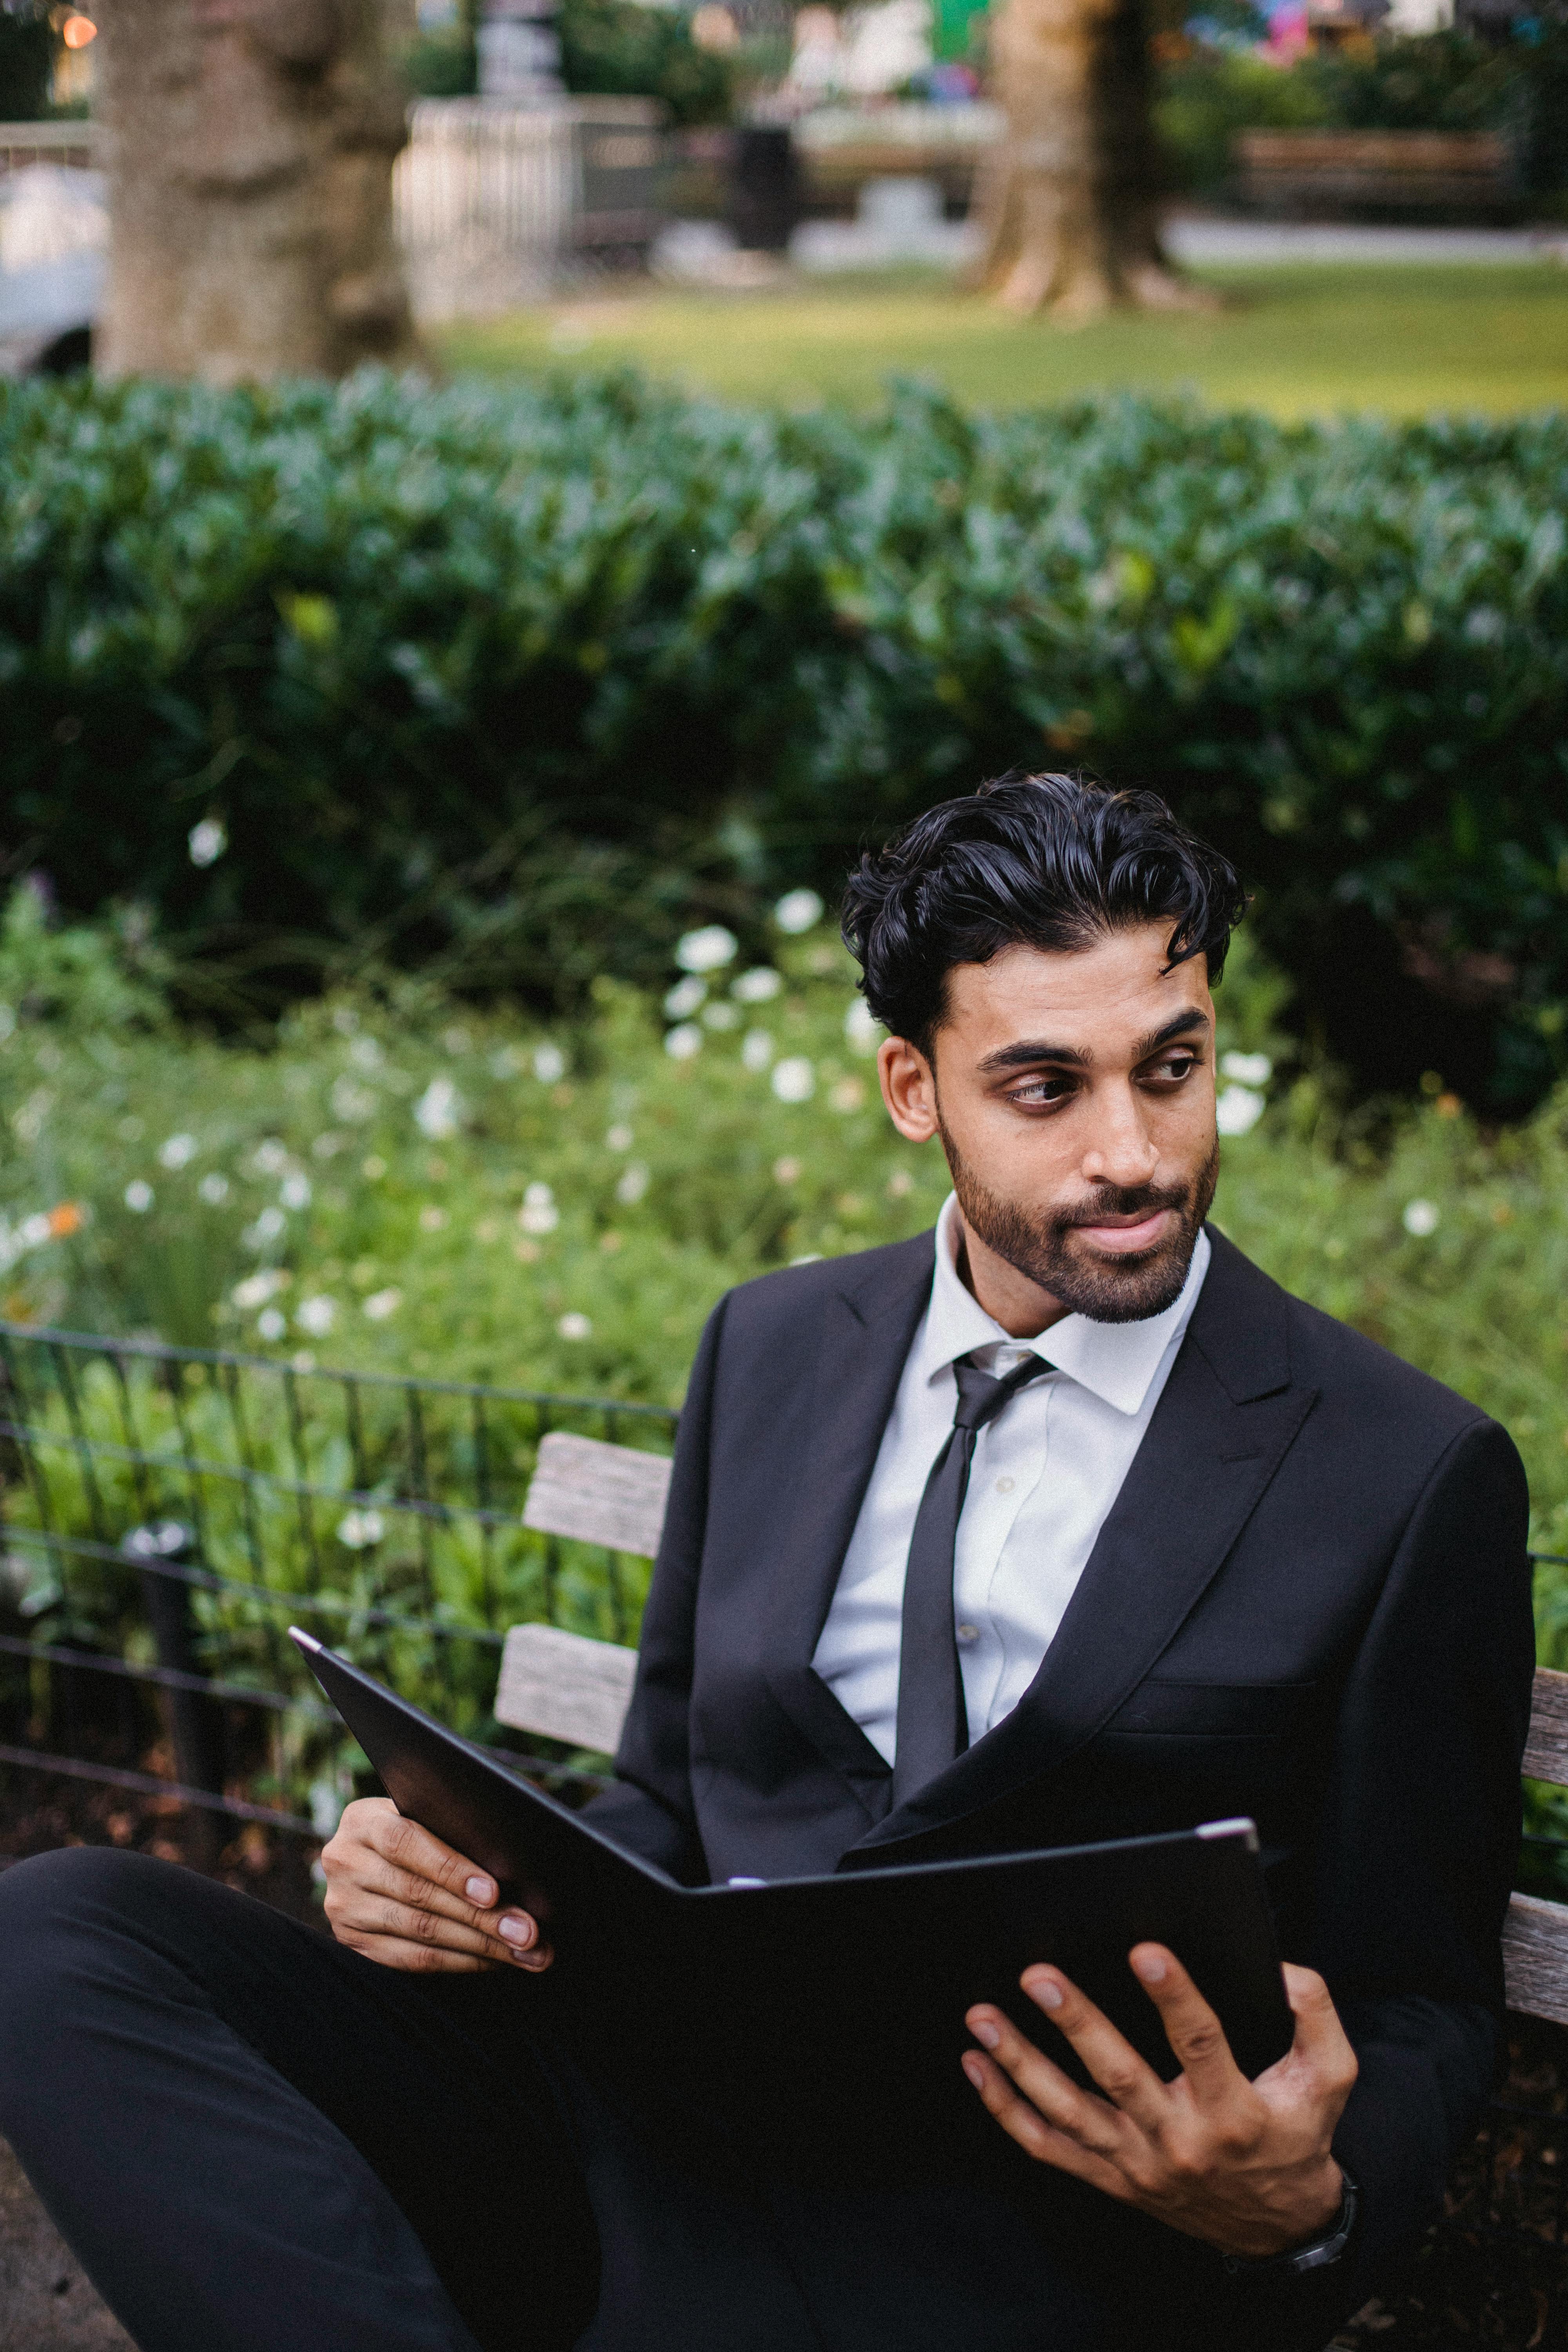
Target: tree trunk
1069, 198
251, 148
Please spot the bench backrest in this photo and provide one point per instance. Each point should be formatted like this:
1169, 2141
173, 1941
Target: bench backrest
564, 1686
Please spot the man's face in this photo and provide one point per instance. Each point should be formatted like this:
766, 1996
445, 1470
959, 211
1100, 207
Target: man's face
1074, 1095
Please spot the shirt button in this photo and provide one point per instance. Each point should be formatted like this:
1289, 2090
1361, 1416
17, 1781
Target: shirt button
1004, 1485
967, 1633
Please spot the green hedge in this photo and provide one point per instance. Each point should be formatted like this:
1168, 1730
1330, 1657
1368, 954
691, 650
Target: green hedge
518, 687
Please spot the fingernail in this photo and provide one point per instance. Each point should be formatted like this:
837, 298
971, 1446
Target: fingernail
1151, 1968
517, 1929
985, 2033
1046, 1992
975, 2070
480, 1891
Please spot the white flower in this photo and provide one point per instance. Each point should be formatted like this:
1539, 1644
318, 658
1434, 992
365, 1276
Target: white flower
682, 1043
457, 1041
619, 1138
266, 1228
506, 1062
178, 1152
1420, 1218
756, 1049
798, 911
794, 1080
438, 1113
34, 1231
271, 1156
758, 986
901, 1184
315, 1317
432, 1220
862, 1027
207, 841
295, 1190
1238, 1110
574, 1326
549, 1064
356, 1530
380, 1303
258, 1288
539, 1213
328, 1146
1251, 1069
786, 1171
720, 1015
707, 949
848, 1095
138, 1196
365, 1054
683, 999
270, 1324
352, 1103
213, 1190
632, 1184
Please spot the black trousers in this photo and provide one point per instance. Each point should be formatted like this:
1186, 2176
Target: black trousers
254, 2138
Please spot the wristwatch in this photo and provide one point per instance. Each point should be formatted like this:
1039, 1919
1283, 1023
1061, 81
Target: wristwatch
1317, 2256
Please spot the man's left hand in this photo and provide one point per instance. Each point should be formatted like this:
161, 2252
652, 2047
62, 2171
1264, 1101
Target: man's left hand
1247, 2167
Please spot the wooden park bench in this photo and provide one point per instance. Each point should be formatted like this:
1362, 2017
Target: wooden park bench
1465, 175
559, 1686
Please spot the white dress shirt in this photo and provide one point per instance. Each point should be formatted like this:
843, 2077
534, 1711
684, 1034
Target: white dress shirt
1044, 1475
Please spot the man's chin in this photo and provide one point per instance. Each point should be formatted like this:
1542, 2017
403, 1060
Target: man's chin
1109, 1286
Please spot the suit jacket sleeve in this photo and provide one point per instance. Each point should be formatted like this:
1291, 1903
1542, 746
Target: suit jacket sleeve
1418, 1839
648, 1807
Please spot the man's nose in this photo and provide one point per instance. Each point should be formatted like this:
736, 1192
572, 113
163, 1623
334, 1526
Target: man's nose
1120, 1149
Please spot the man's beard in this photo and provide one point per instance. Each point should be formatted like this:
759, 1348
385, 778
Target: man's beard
1119, 1290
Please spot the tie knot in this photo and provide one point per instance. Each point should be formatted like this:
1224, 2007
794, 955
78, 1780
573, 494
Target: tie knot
981, 1397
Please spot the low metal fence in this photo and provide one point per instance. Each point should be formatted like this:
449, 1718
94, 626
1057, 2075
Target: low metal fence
169, 1511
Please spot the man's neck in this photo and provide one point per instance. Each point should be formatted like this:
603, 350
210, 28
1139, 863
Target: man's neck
1022, 1309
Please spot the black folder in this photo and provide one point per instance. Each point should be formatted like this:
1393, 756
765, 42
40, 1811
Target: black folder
811, 1997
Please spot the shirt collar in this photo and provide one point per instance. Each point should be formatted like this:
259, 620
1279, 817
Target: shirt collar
1116, 1361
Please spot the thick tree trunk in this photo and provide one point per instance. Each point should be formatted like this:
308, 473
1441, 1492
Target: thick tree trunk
251, 148
1069, 198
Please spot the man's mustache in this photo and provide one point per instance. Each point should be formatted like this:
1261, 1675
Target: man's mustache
1113, 1200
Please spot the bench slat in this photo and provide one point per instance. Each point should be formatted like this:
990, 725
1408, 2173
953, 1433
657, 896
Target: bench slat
601, 1494
1535, 1958
1546, 1749
565, 1686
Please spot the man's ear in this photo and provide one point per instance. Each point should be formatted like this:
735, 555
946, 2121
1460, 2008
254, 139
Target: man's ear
909, 1088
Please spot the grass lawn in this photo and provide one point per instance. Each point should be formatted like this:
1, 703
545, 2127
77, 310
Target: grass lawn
1295, 339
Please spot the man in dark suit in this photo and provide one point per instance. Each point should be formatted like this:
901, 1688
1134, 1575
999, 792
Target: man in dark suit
1062, 1524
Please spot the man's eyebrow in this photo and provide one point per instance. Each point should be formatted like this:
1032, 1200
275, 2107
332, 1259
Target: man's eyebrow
1029, 1053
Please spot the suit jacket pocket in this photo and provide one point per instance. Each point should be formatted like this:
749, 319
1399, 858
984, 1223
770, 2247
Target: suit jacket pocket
1213, 1710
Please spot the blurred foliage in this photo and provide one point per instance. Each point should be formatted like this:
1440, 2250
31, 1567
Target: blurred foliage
623, 48
1209, 91
29, 42
609, 48
440, 64
514, 687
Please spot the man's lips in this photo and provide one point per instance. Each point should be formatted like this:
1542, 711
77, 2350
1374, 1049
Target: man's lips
1124, 1236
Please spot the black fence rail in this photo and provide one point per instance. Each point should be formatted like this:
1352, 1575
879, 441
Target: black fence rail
167, 1512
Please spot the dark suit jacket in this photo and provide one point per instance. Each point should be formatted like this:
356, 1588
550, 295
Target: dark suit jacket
1310, 1603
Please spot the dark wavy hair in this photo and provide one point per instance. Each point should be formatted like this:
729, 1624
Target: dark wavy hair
1051, 862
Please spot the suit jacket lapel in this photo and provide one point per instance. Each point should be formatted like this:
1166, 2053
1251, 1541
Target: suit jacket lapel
1228, 1414
828, 1462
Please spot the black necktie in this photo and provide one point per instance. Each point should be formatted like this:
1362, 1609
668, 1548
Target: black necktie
933, 1728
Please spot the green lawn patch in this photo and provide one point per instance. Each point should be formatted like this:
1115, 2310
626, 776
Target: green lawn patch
1296, 340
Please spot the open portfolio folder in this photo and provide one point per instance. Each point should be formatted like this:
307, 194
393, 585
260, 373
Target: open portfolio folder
842, 1995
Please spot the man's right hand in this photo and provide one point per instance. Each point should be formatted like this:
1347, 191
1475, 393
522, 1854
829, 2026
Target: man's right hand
400, 1896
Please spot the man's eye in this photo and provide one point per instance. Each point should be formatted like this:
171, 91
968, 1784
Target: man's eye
1043, 1090
1175, 1067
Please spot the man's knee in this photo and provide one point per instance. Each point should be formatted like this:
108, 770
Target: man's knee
56, 1911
